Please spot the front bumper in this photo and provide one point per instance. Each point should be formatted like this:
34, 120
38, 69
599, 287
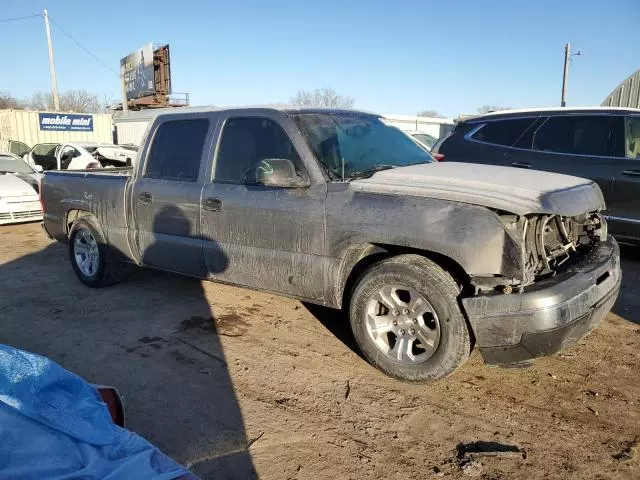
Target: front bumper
549, 315
20, 216
20, 209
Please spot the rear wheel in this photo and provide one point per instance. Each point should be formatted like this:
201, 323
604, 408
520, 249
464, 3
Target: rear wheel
90, 256
405, 317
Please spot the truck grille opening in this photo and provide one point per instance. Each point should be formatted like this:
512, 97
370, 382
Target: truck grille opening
553, 243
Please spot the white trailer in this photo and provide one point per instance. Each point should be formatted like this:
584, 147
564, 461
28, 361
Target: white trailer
31, 127
434, 126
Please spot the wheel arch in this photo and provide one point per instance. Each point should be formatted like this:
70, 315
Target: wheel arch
361, 257
76, 214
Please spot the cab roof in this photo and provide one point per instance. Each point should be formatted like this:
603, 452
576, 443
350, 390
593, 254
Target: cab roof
143, 115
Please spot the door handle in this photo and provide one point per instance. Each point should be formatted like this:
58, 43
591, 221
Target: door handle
631, 173
521, 165
212, 204
145, 198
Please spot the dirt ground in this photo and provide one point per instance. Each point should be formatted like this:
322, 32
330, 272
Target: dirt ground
230, 381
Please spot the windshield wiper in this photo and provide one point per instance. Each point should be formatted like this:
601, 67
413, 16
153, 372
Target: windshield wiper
370, 171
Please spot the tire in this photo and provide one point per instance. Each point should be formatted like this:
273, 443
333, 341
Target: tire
422, 299
104, 269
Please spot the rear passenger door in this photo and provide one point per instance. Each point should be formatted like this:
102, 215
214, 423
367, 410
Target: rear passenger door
624, 219
165, 198
265, 237
583, 145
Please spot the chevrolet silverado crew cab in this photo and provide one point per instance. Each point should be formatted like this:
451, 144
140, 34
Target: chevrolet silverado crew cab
334, 207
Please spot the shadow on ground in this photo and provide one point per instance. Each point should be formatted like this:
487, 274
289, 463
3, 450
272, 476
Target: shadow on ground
337, 322
153, 336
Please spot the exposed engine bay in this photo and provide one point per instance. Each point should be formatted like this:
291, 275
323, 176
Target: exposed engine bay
552, 242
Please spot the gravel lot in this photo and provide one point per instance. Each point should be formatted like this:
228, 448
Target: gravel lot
231, 381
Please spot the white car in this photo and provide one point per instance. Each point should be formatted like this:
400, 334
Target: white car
19, 199
80, 156
424, 139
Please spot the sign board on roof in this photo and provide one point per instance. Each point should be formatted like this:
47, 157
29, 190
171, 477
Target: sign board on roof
65, 122
138, 74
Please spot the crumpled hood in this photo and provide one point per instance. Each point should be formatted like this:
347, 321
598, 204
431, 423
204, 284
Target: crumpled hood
117, 153
12, 186
510, 189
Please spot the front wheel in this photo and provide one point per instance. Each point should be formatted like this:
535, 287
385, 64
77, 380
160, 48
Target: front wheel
90, 256
405, 318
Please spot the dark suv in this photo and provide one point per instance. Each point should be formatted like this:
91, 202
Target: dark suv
602, 144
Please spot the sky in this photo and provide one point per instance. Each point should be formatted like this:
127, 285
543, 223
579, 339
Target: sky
393, 57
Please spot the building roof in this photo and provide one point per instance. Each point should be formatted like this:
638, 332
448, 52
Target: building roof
627, 94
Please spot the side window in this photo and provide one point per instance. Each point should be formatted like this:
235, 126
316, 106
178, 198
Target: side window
503, 132
247, 141
176, 151
632, 138
597, 135
526, 139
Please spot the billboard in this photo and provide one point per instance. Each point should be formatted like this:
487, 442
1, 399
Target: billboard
65, 122
137, 72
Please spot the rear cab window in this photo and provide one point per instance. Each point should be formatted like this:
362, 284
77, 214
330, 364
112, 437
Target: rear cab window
176, 150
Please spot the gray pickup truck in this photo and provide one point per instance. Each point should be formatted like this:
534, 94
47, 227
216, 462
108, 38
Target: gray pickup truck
337, 208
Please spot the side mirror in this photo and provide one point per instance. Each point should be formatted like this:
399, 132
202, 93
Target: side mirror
276, 172
38, 168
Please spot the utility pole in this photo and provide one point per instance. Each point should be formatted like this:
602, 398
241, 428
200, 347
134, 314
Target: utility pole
125, 104
565, 74
52, 66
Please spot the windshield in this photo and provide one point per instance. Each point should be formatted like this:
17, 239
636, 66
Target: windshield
356, 145
13, 165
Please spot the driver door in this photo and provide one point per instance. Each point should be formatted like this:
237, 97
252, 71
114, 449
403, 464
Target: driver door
260, 236
65, 155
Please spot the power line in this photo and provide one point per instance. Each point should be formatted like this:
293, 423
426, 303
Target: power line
95, 57
7, 20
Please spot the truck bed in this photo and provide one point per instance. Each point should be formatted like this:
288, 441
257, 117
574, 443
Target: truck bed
99, 192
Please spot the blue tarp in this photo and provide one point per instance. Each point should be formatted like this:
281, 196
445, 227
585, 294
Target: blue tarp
54, 425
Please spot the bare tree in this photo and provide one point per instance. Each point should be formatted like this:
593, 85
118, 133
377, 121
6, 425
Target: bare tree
79, 101
39, 101
7, 101
491, 108
321, 97
430, 113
